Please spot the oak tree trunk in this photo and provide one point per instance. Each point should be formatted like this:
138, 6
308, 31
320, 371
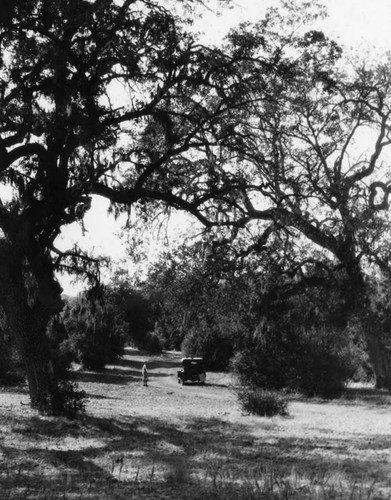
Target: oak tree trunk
377, 337
379, 347
28, 323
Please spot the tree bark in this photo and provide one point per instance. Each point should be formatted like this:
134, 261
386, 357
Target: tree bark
28, 323
376, 335
379, 348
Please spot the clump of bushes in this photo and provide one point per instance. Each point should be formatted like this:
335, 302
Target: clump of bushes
328, 359
316, 362
96, 334
207, 341
262, 402
67, 400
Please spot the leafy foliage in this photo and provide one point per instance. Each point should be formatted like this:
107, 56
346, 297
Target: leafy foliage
138, 310
262, 402
316, 362
152, 343
196, 303
68, 400
208, 341
95, 332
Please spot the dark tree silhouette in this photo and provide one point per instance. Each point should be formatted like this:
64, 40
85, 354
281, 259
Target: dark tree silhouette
97, 98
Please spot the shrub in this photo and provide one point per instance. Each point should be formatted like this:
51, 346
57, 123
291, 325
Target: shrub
261, 402
208, 342
67, 401
328, 360
266, 359
316, 362
96, 333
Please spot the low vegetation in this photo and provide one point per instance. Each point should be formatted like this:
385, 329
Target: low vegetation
262, 402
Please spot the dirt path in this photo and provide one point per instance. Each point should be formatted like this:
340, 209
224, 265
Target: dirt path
164, 397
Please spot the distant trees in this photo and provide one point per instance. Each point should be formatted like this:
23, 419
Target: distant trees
280, 330
198, 300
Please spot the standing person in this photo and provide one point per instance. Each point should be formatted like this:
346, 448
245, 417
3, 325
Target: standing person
144, 373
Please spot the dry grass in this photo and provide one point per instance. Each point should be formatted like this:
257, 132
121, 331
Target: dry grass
169, 441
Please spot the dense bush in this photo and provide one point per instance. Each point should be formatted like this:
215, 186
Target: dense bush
67, 401
261, 402
96, 333
327, 360
208, 342
316, 362
266, 359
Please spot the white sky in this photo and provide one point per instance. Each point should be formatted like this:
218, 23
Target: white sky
352, 21
355, 23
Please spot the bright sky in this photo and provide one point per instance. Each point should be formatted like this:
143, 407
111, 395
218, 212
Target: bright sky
353, 22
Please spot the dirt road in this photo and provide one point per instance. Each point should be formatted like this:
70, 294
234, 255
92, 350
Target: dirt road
163, 397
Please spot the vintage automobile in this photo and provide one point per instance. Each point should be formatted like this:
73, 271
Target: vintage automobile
192, 370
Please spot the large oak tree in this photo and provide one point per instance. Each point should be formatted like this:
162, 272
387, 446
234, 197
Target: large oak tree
308, 157
104, 97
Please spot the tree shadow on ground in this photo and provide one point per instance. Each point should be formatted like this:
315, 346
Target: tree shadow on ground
158, 364
131, 365
201, 452
106, 376
134, 365
368, 396
165, 360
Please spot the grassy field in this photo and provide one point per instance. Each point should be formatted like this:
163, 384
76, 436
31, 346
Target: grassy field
193, 442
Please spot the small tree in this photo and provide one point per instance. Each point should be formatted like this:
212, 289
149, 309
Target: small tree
96, 332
